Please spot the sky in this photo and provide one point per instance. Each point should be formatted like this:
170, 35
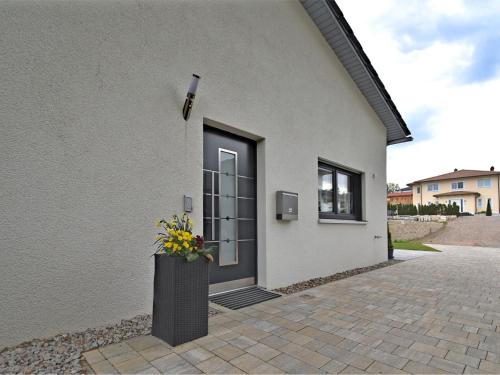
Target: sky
440, 62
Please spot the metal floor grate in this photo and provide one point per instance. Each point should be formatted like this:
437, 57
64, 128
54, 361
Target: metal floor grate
238, 299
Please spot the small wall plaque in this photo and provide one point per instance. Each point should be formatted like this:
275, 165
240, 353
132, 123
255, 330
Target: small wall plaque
188, 204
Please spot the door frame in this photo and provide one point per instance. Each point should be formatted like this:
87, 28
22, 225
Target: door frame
260, 265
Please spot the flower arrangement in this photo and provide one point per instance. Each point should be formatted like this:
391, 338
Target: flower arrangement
178, 240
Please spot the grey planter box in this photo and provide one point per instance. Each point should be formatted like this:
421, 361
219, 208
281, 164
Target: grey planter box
180, 301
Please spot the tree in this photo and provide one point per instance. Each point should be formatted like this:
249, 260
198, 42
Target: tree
488, 208
392, 187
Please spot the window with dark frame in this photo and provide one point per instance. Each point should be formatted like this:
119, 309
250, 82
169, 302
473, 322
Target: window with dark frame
339, 193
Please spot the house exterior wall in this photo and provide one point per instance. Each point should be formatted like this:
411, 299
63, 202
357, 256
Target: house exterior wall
94, 147
470, 201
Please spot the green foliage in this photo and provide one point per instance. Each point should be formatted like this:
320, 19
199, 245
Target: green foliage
409, 245
488, 209
389, 239
431, 209
177, 239
392, 187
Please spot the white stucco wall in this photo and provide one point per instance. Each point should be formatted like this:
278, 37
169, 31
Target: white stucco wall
94, 147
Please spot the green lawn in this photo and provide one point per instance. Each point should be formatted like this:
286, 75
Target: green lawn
409, 245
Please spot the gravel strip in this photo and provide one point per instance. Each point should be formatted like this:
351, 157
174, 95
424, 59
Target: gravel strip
62, 353
303, 285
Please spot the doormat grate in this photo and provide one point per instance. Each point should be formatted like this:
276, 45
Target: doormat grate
238, 299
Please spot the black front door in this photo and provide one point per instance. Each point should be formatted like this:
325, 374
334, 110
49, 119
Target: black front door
229, 208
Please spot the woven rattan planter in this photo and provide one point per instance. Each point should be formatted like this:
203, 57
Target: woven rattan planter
180, 302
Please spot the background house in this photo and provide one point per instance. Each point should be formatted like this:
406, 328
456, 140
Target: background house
402, 196
469, 189
95, 149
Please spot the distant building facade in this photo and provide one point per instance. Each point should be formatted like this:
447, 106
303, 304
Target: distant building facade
400, 197
471, 190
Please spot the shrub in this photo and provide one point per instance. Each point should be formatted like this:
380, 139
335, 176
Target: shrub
390, 246
488, 208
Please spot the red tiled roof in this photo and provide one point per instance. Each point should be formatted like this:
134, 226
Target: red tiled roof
399, 194
462, 173
456, 193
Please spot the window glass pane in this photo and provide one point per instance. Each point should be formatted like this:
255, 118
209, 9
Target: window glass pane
227, 209
325, 197
344, 194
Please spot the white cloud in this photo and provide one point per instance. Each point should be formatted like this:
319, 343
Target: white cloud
464, 129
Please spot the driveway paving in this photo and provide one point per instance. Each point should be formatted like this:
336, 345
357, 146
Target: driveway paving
438, 313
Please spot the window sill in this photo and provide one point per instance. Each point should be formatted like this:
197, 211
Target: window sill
340, 221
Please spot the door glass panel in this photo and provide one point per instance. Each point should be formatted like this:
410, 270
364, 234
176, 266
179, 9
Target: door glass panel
228, 211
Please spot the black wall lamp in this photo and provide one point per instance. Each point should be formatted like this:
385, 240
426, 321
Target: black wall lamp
186, 111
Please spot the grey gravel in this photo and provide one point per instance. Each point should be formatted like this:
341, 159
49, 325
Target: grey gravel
62, 353
303, 285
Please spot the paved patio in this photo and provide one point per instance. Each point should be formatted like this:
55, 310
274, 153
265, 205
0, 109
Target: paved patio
432, 314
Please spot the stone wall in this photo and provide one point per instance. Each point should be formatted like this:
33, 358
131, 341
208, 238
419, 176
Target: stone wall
410, 230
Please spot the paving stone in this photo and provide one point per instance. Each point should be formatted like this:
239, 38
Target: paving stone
123, 357
462, 358
414, 336
305, 355
143, 342
493, 357
453, 346
387, 347
197, 355
115, 349
93, 356
173, 364
184, 347
262, 351
242, 342
419, 368
216, 365
446, 365
352, 370
210, 342
246, 362
292, 365
297, 338
149, 370
429, 349
274, 342
386, 358
228, 352
104, 367
334, 367
133, 366
314, 345
346, 356
380, 368
155, 352
413, 355
488, 366
481, 354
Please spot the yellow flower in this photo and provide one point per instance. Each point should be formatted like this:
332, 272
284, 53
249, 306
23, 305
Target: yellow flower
179, 238
191, 248
168, 245
159, 237
187, 236
186, 245
176, 246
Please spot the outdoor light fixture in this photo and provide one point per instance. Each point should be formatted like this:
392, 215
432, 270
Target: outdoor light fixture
186, 111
